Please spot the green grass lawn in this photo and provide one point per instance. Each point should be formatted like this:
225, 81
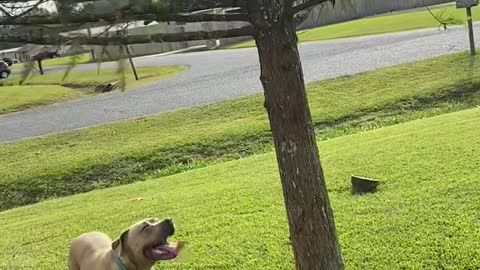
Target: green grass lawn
425, 215
377, 25
49, 88
126, 152
61, 61
17, 98
93, 77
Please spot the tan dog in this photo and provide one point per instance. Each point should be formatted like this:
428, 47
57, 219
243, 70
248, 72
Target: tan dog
138, 248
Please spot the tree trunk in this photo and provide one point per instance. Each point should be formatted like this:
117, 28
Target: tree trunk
134, 69
40, 67
310, 217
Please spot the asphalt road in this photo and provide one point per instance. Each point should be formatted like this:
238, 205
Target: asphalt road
214, 76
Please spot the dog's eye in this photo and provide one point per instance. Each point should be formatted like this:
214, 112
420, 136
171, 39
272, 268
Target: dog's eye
145, 226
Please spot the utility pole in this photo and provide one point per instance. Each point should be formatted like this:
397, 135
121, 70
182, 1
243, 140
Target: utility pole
470, 31
468, 4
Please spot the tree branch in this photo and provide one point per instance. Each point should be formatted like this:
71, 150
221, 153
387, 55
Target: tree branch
194, 5
6, 13
175, 6
134, 39
33, 7
307, 4
24, 1
36, 20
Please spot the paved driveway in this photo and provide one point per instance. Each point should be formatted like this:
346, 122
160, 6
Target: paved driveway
214, 76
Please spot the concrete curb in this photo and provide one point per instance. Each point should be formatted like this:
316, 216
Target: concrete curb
189, 49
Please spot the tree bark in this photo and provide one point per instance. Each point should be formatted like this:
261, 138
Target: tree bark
40, 67
310, 217
134, 69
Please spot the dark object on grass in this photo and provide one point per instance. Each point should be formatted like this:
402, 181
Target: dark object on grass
362, 185
103, 88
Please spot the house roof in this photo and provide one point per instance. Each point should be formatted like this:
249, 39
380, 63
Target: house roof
10, 50
33, 49
96, 31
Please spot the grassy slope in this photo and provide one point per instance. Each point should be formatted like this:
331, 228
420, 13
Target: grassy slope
17, 98
78, 59
92, 77
376, 25
106, 155
49, 88
424, 216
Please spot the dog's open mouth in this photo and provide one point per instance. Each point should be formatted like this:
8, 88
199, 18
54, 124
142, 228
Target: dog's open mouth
161, 252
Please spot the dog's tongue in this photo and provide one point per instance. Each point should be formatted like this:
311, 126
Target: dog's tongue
166, 251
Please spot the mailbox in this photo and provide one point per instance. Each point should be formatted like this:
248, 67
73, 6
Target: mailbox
466, 3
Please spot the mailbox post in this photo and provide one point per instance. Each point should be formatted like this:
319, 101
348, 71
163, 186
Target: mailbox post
468, 4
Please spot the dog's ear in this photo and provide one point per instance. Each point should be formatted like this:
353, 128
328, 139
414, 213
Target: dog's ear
119, 242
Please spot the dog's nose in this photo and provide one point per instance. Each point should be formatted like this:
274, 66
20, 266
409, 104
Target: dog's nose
170, 225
